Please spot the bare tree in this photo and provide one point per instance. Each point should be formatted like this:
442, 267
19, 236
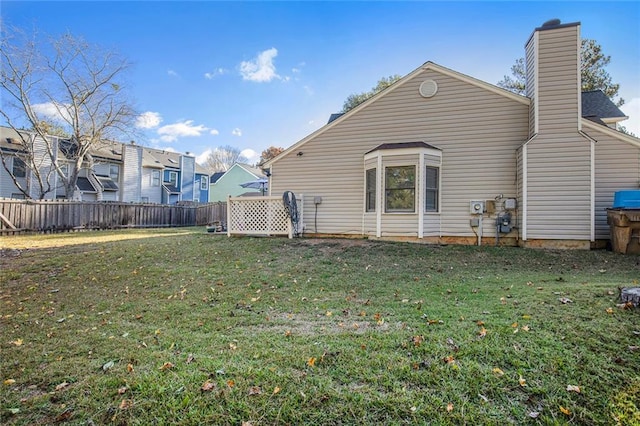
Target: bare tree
222, 158
64, 84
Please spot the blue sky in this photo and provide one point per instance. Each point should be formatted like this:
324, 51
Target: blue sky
253, 74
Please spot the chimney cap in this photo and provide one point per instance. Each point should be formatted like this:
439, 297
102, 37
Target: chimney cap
551, 23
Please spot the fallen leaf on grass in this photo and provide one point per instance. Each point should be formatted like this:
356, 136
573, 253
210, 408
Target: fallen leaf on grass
276, 390
126, 404
190, 359
565, 411
64, 416
452, 344
255, 390
449, 407
311, 362
417, 340
572, 388
107, 366
609, 311
130, 368
231, 383
498, 371
17, 342
482, 333
166, 366
61, 386
9, 382
565, 300
207, 386
522, 381
534, 414
449, 360
122, 390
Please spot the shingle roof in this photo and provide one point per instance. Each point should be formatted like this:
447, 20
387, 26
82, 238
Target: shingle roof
216, 176
596, 104
403, 145
335, 116
84, 184
170, 188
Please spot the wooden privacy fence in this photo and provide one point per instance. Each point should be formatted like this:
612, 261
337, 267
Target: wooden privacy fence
60, 215
260, 216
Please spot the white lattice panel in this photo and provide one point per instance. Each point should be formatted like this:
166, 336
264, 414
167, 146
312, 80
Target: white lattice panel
257, 215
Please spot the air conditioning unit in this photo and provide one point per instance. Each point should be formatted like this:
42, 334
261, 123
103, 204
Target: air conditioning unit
476, 207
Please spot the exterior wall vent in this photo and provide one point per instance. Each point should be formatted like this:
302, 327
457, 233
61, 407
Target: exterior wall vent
428, 88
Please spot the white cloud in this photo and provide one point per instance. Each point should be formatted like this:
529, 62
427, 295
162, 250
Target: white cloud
214, 73
148, 120
632, 110
202, 158
52, 111
251, 156
298, 69
261, 69
171, 132
214, 132
172, 73
236, 132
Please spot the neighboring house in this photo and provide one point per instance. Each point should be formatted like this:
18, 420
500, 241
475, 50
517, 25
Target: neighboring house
115, 172
445, 158
169, 177
229, 183
201, 188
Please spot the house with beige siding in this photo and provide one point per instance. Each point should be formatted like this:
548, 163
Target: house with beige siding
442, 157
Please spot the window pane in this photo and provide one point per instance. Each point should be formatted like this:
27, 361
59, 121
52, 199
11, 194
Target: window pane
400, 200
400, 177
114, 172
432, 182
371, 190
400, 183
19, 168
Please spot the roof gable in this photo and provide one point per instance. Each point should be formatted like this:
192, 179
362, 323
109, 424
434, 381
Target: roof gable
335, 119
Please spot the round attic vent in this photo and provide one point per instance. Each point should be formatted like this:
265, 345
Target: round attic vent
428, 88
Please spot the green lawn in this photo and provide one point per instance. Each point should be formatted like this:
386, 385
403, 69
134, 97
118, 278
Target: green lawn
184, 327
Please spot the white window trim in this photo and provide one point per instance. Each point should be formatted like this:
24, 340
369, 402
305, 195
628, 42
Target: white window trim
204, 183
158, 173
384, 159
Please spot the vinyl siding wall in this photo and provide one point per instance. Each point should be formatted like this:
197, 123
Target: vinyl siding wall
617, 167
153, 193
558, 159
188, 178
531, 81
7, 187
130, 171
477, 130
559, 188
558, 74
